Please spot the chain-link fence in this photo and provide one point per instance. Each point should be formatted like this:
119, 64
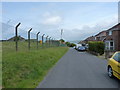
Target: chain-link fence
17, 38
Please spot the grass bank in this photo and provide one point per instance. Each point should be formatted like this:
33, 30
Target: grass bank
25, 69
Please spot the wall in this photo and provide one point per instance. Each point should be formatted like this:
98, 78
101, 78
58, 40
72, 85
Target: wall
116, 38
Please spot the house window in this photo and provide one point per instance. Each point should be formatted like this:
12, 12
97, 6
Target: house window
111, 45
95, 38
110, 32
107, 45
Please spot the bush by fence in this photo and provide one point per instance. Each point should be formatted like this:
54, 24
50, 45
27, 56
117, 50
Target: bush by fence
97, 47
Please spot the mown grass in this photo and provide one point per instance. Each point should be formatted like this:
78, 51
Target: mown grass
25, 69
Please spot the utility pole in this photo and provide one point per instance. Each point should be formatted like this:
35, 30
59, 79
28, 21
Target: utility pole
42, 39
29, 38
16, 35
37, 38
61, 33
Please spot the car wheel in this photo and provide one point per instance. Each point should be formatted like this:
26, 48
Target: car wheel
110, 72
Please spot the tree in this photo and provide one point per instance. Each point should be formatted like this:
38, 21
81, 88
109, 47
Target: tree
67, 43
70, 44
62, 40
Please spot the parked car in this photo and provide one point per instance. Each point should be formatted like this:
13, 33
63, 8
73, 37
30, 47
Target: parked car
77, 45
74, 47
81, 48
114, 65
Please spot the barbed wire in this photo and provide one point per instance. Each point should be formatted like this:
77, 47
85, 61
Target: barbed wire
8, 30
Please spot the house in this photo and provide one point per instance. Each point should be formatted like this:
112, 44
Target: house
101, 36
98, 37
111, 37
19, 38
112, 40
91, 38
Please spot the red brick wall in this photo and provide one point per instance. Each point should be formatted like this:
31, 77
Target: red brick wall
116, 38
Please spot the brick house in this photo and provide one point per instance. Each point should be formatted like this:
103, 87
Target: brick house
91, 38
112, 40
110, 37
101, 36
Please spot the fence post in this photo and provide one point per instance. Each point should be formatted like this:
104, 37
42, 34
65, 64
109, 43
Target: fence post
52, 42
29, 38
46, 40
42, 39
49, 41
37, 38
16, 36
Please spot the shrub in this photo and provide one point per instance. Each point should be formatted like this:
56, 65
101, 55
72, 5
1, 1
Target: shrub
97, 47
70, 44
67, 43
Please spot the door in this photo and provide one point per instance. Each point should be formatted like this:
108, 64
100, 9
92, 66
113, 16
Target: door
116, 65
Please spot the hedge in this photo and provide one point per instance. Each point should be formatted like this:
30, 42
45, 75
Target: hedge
70, 44
97, 47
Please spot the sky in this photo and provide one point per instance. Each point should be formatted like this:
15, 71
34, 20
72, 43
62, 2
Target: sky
78, 20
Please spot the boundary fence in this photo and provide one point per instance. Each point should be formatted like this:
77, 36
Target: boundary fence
31, 40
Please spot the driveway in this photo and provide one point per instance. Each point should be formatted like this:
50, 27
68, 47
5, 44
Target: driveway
79, 70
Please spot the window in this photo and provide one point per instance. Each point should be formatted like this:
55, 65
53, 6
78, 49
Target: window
107, 45
117, 57
110, 32
111, 43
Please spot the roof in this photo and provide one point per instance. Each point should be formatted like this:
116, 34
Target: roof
109, 38
100, 32
92, 38
116, 27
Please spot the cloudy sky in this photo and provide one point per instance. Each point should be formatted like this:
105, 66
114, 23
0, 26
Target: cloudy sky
78, 20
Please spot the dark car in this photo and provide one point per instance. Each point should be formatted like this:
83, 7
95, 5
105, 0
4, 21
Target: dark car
81, 48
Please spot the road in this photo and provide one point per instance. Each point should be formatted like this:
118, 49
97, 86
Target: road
79, 70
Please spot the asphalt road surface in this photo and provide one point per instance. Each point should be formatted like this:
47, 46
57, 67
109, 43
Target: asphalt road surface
79, 70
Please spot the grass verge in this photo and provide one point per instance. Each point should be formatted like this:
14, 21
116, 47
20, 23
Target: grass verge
26, 69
